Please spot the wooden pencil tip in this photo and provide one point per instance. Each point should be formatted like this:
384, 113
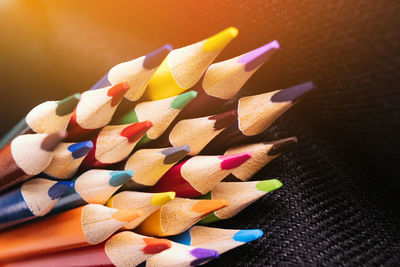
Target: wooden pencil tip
117, 92
127, 215
155, 245
81, 149
293, 93
155, 58
223, 120
248, 235
235, 160
220, 40
281, 145
258, 56
51, 141
119, 178
175, 154
203, 255
207, 206
59, 189
67, 105
160, 199
135, 131
268, 185
182, 100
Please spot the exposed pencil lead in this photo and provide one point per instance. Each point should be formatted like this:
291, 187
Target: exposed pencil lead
174, 154
117, 92
119, 178
224, 119
59, 189
293, 93
258, 56
282, 145
203, 255
182, 100
160, 199
52, 140
80, 149
127, 215
269, 185
155, 58
67, 105
135, 131
233, 161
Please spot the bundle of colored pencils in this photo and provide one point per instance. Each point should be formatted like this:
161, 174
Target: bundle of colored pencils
98, 177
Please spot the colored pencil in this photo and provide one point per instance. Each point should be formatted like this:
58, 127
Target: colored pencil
182, 256
32, 199
92, 187
160, 112
151, 164
26, 156
19, 129
178, 215
124, 249
52, 116
262, 154
184, 67
221, 240
223, 80
80, 227
136, 72
256, 113
198, 175
147, 202
48, 117
197, 133
95, 109
66, 159
240, 195
115, 143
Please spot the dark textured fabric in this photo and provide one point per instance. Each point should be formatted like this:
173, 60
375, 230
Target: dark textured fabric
339, 204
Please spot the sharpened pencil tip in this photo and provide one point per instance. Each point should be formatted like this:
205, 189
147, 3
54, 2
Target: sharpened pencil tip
282, 145
269, 185
135, 131
155, 245
67, 105
235, 160
220, 40
258, 56
51, 141
293, 93
119, 178
223, 120
59, 189
155, 58
117, 92
207, 206
174, 154
203, 255
81, 149
127, 215
182, 100
248, 235
160, 199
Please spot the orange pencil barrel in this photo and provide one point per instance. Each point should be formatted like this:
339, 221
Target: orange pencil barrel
62, 231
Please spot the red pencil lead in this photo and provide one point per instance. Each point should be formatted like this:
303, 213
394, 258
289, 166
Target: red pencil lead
135, 131
232, 161
117, 92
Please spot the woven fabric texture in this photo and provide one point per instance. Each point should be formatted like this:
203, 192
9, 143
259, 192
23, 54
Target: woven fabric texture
339, 205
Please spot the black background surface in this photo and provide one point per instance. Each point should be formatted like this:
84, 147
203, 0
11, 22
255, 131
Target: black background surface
340, 201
